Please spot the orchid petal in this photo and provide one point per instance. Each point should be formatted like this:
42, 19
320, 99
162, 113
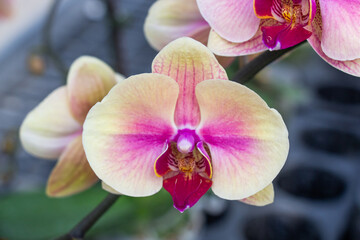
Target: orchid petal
262, 198
340, 29
188, 62
168, 20
248, 141
222, 47
233, 20
109, 189
351, 67
50, 127
125, 133
72, 173
89, 80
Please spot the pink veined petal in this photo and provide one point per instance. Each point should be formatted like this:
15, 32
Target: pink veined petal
351, 67
89, 80
248, 141
262, 198
284, 36
340, 39
233, 20
262, 8
188, 62
50, 127
222, 47
186, 191
72, 173
168, 20
125, 133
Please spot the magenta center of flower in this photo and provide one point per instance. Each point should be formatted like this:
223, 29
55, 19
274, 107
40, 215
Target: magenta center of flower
186, 169
292, 17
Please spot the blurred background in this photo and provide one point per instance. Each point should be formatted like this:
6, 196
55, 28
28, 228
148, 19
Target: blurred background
317, 194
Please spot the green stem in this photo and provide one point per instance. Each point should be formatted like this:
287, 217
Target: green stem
79, 231
246, 73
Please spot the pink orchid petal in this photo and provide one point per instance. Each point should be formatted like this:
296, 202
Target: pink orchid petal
186, 191
284, 36
168, 20
222, 47
351, 67
89, 80
262, 198
233, 20
262, 8
50, 127
248, 141
188, 62
72, 173
340, 39
125, 133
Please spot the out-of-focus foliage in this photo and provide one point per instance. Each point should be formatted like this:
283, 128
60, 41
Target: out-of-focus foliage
35, 216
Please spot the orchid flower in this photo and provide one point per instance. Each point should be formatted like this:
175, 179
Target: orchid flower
168, 20
250, 26
186, 128
54, 128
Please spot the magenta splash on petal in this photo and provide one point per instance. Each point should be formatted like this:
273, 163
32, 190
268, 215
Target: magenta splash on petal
187, 174
292, 17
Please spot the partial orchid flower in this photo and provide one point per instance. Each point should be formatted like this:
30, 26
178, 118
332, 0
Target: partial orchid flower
186, 128
53, 130
250, 26
168, 20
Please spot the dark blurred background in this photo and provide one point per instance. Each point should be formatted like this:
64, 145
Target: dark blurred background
317, 195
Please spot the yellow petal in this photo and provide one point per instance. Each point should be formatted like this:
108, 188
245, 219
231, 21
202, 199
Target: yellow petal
89, 80
72, 173
125, 133
189, 63
50, 127
262, 198
248, 140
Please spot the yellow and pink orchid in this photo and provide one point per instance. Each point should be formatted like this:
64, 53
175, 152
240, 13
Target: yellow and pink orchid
187, 128
53, 130
251, 26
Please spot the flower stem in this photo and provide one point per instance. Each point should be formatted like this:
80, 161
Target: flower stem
246, 73
79, 231
48, 42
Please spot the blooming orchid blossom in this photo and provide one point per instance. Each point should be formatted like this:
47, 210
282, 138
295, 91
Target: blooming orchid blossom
187, 128
54, 128
250, 26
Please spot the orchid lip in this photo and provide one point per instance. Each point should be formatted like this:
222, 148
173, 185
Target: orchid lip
186, 169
